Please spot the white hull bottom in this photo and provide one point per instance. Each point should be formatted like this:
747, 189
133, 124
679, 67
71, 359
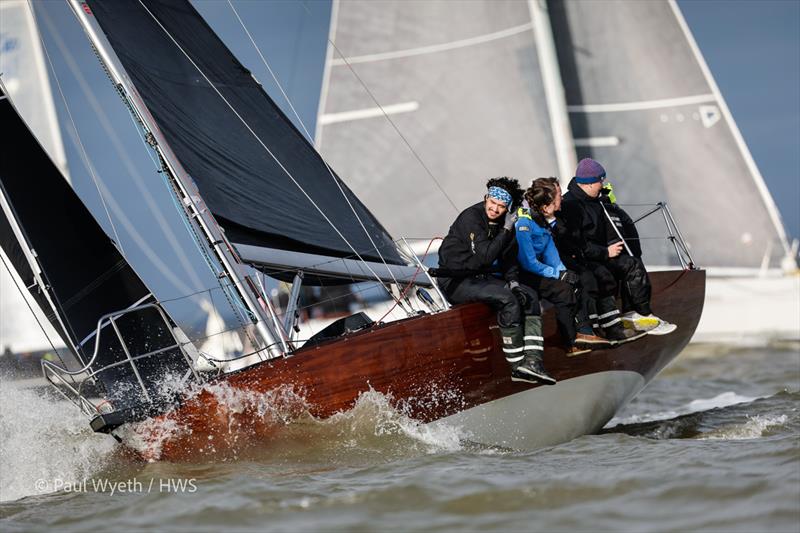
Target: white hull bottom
746, 310
549, 415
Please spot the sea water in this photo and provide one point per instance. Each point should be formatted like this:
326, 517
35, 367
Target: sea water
712, 444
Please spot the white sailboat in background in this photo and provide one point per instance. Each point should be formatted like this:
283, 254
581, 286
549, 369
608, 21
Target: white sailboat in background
24, 69
503, 87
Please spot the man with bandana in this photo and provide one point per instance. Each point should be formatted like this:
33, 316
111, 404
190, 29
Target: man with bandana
479, 258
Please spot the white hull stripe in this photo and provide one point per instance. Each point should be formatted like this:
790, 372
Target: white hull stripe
610, 313
611, 323
533, 338
515, 359
512, 350
461, 43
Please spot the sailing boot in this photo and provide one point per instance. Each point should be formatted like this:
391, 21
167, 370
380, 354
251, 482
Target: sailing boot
610, 323
531, 368
648, 323
512, 343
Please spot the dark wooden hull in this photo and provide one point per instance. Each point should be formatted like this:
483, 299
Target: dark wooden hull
432, 367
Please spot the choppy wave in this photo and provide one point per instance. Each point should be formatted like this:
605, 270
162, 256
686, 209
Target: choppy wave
728, 416
701, 404
753, 428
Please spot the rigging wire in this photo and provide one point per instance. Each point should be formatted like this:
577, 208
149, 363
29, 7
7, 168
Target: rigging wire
386, 115
113, 137
44, 331
311, 140
263, 145
74, 127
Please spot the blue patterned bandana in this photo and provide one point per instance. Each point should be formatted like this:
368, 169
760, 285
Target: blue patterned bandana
500, 194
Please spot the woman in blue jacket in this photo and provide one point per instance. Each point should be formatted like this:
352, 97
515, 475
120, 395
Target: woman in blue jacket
540, 265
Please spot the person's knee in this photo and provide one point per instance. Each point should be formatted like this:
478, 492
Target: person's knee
509, 314
563, 294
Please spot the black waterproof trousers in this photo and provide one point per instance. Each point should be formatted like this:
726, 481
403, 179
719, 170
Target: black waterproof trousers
493, 291
630, 272
562, 296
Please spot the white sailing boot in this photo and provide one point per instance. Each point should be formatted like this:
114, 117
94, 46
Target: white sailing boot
648, 323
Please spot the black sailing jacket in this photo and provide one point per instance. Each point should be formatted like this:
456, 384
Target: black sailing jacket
591, 233
473, 244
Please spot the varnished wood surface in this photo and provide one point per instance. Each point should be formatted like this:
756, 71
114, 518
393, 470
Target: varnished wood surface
431, 366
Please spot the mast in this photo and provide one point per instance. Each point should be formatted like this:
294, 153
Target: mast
198, 215
553, 90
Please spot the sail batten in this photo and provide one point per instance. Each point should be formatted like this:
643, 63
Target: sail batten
479, 107
252, 166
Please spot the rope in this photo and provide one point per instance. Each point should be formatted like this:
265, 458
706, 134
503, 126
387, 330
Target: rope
375, 100
410, 283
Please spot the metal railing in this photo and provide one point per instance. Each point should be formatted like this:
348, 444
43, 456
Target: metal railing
674, 235
56, 374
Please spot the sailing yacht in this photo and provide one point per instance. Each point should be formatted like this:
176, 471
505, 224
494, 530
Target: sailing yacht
547, 83
258, 200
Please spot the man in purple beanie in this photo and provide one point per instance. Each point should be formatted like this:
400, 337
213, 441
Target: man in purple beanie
602, 251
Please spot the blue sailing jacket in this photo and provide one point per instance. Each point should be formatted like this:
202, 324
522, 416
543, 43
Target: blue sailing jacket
537, 251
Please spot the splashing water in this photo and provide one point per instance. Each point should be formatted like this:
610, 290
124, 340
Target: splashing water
237, 423
44, 439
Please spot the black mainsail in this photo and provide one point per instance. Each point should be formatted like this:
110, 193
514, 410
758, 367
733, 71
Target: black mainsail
243, 153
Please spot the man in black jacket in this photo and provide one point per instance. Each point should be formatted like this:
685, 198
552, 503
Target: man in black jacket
603, 252
480, 243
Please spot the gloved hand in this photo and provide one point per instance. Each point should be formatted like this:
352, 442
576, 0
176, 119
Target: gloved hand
568, 276
511, 219
518, 293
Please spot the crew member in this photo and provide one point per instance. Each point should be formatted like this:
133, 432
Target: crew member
479, 256
603, 251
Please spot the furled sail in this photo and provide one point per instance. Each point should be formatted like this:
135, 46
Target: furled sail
460, 80
265, 184
642, 101
71, 267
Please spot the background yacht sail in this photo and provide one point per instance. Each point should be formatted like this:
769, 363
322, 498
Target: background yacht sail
80, 275
251, 196
642, 101
462, 82
24, 72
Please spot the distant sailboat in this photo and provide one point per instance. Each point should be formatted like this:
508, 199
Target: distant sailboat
256, 195
625, 77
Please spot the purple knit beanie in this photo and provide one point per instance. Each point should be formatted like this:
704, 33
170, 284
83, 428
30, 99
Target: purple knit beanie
589, 171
